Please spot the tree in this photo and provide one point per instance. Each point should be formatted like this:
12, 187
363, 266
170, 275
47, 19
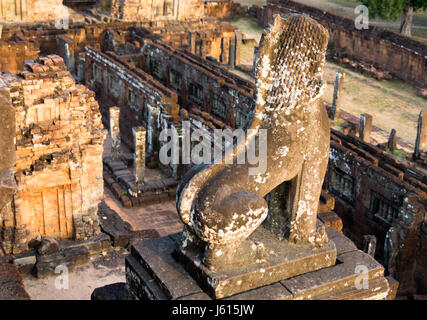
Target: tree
391, 9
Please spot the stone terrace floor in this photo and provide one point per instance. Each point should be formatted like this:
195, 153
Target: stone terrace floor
162, 217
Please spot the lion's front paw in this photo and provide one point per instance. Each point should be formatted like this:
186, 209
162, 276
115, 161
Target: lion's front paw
319, 237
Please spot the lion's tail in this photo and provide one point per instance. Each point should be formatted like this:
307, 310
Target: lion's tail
190, 185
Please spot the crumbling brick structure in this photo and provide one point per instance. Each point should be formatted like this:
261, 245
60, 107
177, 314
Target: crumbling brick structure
31, 10
209, 37
154, 84
224, 9
54, 143
140, 97
404, 57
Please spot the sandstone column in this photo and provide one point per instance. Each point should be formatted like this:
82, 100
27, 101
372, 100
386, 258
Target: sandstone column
232, 54
369, 244
365, 127
336, 102
115, 133
192, 42
421, 142
24, 9
392, 143
223, 56
238, 40
139, 134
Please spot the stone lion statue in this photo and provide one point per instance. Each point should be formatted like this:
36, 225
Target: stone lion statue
221, 204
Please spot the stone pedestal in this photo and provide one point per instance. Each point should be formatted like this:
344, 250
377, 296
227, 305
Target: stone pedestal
421, 141
392, 141
224, 50
232, 53
336, 102
192, 42
139, 134
265, 260
153, 273
238, 40
365, 127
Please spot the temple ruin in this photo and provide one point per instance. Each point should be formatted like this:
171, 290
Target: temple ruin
87, 87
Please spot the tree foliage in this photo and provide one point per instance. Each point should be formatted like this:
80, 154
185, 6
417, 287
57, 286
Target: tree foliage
391, 9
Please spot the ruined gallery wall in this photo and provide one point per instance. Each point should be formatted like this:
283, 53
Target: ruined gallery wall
19, 43
214, 44
375, 195
178, 71
207, 37
421, 267
198, 84
70, 46
158, 10
219, 9
367, 170
402, 56
141, 98
212, 97
58, 144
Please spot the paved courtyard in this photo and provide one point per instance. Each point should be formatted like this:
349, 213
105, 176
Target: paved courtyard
162, 217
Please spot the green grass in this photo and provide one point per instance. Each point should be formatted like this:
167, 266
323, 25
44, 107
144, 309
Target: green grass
249, 3
346, 3
397, 152
248, 26
351, 87
340, 123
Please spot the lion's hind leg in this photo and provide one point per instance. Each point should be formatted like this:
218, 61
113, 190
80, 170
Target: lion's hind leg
303, 228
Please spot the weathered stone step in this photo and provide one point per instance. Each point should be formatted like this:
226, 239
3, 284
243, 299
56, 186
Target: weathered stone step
121, 173
69, 257
335, 278
11, 285
115, 165
337, 282
135, 273
155, 256
377, 287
